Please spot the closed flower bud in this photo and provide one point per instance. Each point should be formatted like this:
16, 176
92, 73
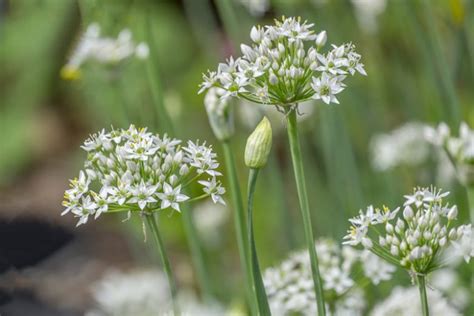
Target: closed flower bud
408, 213
321, 39
220, 114
258, 145
453, 213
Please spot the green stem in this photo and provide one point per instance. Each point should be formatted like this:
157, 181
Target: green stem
255, 274
155, 83
197, 255
423, 297
470, 199
151, 221
304, 205
239, 219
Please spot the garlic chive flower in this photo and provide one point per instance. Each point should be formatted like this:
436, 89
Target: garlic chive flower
284, 66
290, 289
105, 50
460, 149
415, 237
132, 170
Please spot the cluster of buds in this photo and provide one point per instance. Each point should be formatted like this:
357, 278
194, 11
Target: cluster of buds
284, 66
105, 50
136, 171
459, 149
415, 239
290, 290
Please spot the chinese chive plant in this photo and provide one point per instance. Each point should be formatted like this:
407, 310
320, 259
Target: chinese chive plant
415, 239
285, 65
137, 172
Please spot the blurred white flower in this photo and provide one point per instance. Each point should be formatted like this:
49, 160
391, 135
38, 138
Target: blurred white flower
405, 145
405, 301
256, 7
106, 50
143, 293
375, 268
448, 282
209, 218
367, 12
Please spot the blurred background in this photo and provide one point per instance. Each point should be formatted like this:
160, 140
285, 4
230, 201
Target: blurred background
419, 57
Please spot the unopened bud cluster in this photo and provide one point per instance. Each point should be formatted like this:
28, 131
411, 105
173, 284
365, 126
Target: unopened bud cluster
415, 238
283, 66
133, 170
105, 50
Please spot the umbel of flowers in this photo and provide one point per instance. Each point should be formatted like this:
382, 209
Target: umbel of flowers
415, 238
284, 66
135, 171
290, 290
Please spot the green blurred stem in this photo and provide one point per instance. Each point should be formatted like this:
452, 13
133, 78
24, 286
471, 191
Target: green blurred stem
202, 273
304, 205
423, 297
470, 199
228, 18
161, 115
239, 218
151, 221
255, 274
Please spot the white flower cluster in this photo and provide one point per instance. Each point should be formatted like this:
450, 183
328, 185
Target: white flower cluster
405, 145
144, 293
284, 66
460, 149
104, 50
135, 170
405, 301
290, 287
415, 240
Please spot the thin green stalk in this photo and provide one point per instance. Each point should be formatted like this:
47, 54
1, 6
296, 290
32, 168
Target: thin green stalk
162, 114
151, 221
304, 205
423, 297
470, 199
239, 219
255, 274
197, 255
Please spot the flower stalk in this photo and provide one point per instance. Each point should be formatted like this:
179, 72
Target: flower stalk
304, 205
256, 275
153, 226
239, 218
424, 299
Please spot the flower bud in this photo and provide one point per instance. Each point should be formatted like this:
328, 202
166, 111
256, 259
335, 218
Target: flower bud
408, 213
220, 114
258, 145
453, 213
321, 39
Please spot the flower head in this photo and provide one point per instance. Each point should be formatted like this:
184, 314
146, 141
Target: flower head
283, 66
416, 238
289, 286
135, 170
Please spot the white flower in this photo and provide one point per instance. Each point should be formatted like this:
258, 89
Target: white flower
375, 268
327, 87
171, 197
417, 239
283, 67
464, 246
367, 12
135, 170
